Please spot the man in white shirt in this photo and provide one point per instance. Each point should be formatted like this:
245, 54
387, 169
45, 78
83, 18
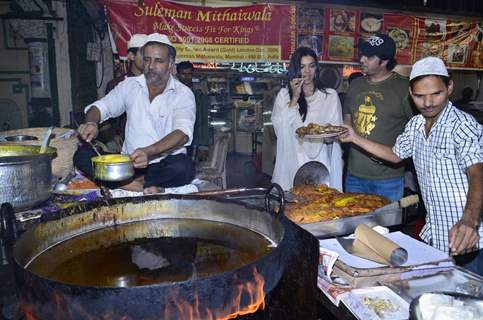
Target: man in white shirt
160, 112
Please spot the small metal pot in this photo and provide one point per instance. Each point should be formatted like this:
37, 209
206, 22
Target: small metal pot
112, 167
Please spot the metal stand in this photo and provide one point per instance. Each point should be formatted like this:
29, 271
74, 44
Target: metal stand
8, 232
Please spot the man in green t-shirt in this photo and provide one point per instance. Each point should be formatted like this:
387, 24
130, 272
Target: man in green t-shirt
377, 106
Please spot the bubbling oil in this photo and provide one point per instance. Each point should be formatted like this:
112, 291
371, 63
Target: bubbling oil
94, 259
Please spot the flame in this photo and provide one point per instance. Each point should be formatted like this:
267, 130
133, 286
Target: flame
63, 309
247, 297
255, 294
28, 312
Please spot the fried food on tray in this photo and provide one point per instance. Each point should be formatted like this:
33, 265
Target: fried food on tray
323, 203
317, 129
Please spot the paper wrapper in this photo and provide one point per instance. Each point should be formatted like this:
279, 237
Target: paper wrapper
371, 245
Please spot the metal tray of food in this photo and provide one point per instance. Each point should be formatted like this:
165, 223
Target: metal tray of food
387, 216
457, 280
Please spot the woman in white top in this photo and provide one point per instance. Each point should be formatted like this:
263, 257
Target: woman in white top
305, 101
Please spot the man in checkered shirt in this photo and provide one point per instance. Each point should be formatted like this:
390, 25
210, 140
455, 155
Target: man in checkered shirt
446, 145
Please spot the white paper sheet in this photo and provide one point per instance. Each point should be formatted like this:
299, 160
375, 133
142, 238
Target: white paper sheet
418, 252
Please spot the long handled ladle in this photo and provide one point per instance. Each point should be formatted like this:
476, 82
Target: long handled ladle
88, 142
45, 140
94, 148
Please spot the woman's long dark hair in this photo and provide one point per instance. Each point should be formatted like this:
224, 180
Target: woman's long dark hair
295, 72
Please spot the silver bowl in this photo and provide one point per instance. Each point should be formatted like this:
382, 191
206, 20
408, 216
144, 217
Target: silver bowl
112, 170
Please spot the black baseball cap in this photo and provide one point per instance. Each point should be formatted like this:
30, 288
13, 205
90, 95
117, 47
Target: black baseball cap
380, 45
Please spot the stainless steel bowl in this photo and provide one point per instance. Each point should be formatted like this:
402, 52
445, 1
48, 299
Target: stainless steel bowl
105, 169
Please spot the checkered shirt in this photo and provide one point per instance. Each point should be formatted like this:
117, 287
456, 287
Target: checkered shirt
454, 143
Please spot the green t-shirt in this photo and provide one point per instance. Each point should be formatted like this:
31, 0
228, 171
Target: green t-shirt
379, 112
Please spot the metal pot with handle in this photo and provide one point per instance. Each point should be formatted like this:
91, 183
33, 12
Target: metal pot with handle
112, 167
26, 175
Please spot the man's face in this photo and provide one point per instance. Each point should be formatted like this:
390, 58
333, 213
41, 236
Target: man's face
157, 64
372, 65
430, 95
136, 60
186, 76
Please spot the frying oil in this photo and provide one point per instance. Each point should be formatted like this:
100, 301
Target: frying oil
91, 260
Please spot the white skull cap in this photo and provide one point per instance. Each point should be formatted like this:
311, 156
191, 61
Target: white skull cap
428, 66
160, 38
137, 41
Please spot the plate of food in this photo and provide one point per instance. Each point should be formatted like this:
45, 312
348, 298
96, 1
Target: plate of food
400, 37
316, 131
342, 20
371, 24
435, 28
432, 48
341, 47
457, 53
384, 302
446, 305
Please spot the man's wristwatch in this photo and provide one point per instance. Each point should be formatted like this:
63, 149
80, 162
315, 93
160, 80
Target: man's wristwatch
92, 122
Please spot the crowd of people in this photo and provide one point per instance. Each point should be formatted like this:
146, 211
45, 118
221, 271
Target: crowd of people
445, 144
164, 117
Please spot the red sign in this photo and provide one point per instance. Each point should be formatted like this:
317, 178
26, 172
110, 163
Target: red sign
403, 31
262, 32
334, 32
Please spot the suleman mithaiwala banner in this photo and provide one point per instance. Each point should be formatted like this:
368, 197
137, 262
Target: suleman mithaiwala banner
261, 32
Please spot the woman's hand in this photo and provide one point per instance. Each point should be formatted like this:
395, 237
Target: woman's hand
296, 85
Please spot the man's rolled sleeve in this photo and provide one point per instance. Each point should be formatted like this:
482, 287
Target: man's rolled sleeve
111, 105
185, 116
403, 147
101, 106
468, 140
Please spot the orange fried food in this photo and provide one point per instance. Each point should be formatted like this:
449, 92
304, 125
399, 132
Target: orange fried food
82, 184
324, 203
317, 129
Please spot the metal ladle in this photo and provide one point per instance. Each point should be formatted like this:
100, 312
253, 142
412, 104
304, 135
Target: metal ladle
88, 142
45, 140
312, 173
94, 148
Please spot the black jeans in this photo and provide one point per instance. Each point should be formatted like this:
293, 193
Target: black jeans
173, 171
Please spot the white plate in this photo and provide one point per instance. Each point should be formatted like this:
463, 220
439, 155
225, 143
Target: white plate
323, 135
383, 292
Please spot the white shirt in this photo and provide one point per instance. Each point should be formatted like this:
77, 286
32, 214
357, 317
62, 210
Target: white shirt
148, 122
292, 152
454, 143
